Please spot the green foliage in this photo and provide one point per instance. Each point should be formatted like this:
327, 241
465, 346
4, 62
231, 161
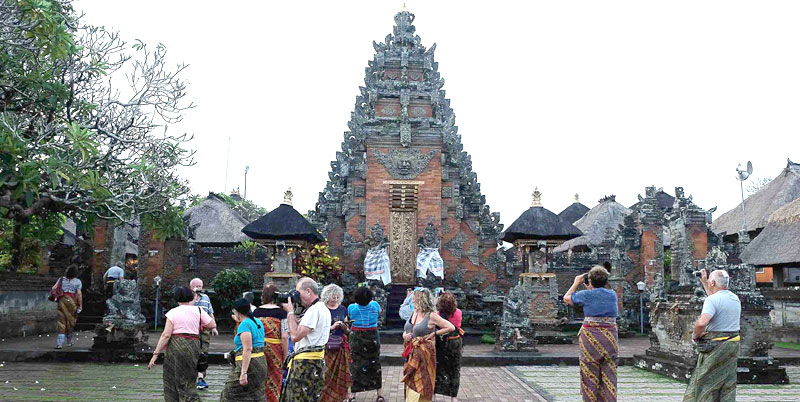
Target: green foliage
36, 235
165, 224
246, 208
488, 339
229, 285
667, 260
317, 264
787, 345
248, 245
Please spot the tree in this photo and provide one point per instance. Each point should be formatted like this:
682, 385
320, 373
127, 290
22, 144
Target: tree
757, 184
83, 118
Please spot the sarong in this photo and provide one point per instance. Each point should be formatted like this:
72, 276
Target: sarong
304, 381
714, 376
598, 359
448, 365
366, 354
337, 373
256, 379
419, 372
180, 369
67, 313
273, 350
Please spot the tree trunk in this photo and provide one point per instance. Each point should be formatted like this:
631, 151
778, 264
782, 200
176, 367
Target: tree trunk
16, 247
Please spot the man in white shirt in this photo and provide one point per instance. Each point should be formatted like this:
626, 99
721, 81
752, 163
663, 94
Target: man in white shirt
112, 275
306, 379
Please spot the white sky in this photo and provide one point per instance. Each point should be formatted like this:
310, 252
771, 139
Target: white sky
579, 96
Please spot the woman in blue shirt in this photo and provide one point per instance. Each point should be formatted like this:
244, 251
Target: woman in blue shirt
248, 378
598, 335
365, 343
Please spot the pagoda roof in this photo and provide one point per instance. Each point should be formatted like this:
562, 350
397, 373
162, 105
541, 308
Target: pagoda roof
283, 223
574, 211
539, 223
606, 216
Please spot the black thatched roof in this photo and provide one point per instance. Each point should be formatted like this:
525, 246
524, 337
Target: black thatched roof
572, 213
283, 223
538, 223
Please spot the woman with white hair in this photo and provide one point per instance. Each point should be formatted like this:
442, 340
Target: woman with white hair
337, 350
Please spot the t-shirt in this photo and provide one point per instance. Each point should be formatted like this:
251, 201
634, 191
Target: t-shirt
456, 318
318, 318
338, 314
204, 302
71, 285
364, 316
115, 272
256, 330
600, 302
186, 319
725, 310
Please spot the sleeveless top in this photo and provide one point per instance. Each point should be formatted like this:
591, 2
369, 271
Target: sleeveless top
421, 329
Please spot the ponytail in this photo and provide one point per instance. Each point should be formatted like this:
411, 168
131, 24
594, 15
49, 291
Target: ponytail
243, 307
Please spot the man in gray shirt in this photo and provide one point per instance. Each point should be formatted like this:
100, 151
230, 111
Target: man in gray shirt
717, 334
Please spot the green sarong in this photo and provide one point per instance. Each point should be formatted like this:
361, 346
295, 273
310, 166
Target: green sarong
714, 377
180, 369
257, 373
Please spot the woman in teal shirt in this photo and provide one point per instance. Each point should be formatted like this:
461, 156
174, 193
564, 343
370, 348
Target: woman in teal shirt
248, 379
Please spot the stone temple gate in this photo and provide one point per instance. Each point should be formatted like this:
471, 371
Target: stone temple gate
402, 166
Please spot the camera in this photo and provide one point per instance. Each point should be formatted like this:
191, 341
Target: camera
283, 297
692, 272
586, 279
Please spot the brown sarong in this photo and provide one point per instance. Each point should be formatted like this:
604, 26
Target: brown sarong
67, 313
273, 350
180, 369
337, 373
419, 372
256, 380
714, 376
598, 359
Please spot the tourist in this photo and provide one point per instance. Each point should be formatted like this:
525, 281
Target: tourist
448, 349
276, 346
304, 381
337, 350
248, 377
598, 335
716, 334
407, 308
419, 371
201, 300
70, 304
181, 338
365, 343
112, 276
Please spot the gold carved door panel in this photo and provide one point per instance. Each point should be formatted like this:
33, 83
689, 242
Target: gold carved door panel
403, 246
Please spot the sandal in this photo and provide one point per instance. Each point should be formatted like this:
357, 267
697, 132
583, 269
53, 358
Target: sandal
380, 399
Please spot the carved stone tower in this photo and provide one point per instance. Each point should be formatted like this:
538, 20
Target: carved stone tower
402, 166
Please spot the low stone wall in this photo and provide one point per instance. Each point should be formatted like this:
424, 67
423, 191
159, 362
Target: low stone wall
24, 308
785, 315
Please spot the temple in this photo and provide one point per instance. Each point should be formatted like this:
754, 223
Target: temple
402, 169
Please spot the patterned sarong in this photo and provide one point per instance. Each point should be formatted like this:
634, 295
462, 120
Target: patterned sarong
337, 373
273, 350
598, 359
419, 372
714, 377
67, 313
180, 369
256, 379
304, 381
366, 365
377, 266
448, 365
428, 259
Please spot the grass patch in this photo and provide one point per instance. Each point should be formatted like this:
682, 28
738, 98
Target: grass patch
787, 345
487, 339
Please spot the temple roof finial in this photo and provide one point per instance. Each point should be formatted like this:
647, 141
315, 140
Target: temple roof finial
537, 198
577, 199
287, 197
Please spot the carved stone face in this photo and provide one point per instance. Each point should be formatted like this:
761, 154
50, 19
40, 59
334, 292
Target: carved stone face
404, 167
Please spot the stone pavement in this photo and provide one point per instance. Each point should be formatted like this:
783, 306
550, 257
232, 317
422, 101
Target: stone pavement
133, 382
562, 384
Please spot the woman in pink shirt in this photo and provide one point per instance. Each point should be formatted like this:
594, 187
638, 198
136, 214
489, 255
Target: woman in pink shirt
448, 349
181, 339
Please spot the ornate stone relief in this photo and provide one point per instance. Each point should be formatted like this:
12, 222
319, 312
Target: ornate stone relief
404, 164
474, 226
473, 254
405, 138
456, 244
430, 238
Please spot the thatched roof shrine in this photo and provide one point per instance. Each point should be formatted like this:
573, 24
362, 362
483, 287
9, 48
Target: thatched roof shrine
574, 211
779, 242
782, 190
213, 222
539, 223
283, 223
605, 217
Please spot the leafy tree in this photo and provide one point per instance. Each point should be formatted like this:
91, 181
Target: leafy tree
316, 263
83, 119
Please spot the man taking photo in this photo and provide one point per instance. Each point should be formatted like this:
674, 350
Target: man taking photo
716, 334
305, 379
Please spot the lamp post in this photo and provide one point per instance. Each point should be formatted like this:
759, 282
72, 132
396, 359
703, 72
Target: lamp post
640, 286
157, 281
246, 169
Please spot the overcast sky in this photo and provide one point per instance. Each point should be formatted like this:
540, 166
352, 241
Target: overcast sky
580, 97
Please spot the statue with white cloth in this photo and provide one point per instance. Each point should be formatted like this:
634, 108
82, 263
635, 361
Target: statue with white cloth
376, 262
430, 266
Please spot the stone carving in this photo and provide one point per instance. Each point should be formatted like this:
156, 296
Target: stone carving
389, 110
403, 245
418, 111
404, 164
123, 325
474, 226
472, 254
456, 244
405, 139
430, 237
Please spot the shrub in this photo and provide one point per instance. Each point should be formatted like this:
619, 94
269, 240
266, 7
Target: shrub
488, 339
317, 264
229, 285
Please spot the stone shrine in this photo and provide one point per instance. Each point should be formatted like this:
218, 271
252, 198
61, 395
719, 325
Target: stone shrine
123, 327
402, 165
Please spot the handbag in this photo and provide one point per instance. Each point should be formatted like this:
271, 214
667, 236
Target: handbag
202, 361
57, 292
407, 350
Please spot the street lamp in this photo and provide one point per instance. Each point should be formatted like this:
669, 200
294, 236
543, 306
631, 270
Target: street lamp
157, 281
246, 169
640, 286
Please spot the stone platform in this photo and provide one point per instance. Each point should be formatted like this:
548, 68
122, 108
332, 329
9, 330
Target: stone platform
752, 370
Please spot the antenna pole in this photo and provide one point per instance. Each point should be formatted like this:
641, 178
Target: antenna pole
744, 214
227, 162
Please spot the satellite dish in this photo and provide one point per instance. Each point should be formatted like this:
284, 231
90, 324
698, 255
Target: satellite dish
743, 174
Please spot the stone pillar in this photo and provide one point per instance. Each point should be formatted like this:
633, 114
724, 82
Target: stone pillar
777, 277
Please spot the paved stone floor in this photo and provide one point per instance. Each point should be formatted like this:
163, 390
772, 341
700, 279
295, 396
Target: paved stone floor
562, 384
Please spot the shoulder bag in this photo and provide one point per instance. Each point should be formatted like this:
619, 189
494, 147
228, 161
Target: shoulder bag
202, 361
56, 292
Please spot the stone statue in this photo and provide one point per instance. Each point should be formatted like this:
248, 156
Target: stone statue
122, 329
376, 263
430, 266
